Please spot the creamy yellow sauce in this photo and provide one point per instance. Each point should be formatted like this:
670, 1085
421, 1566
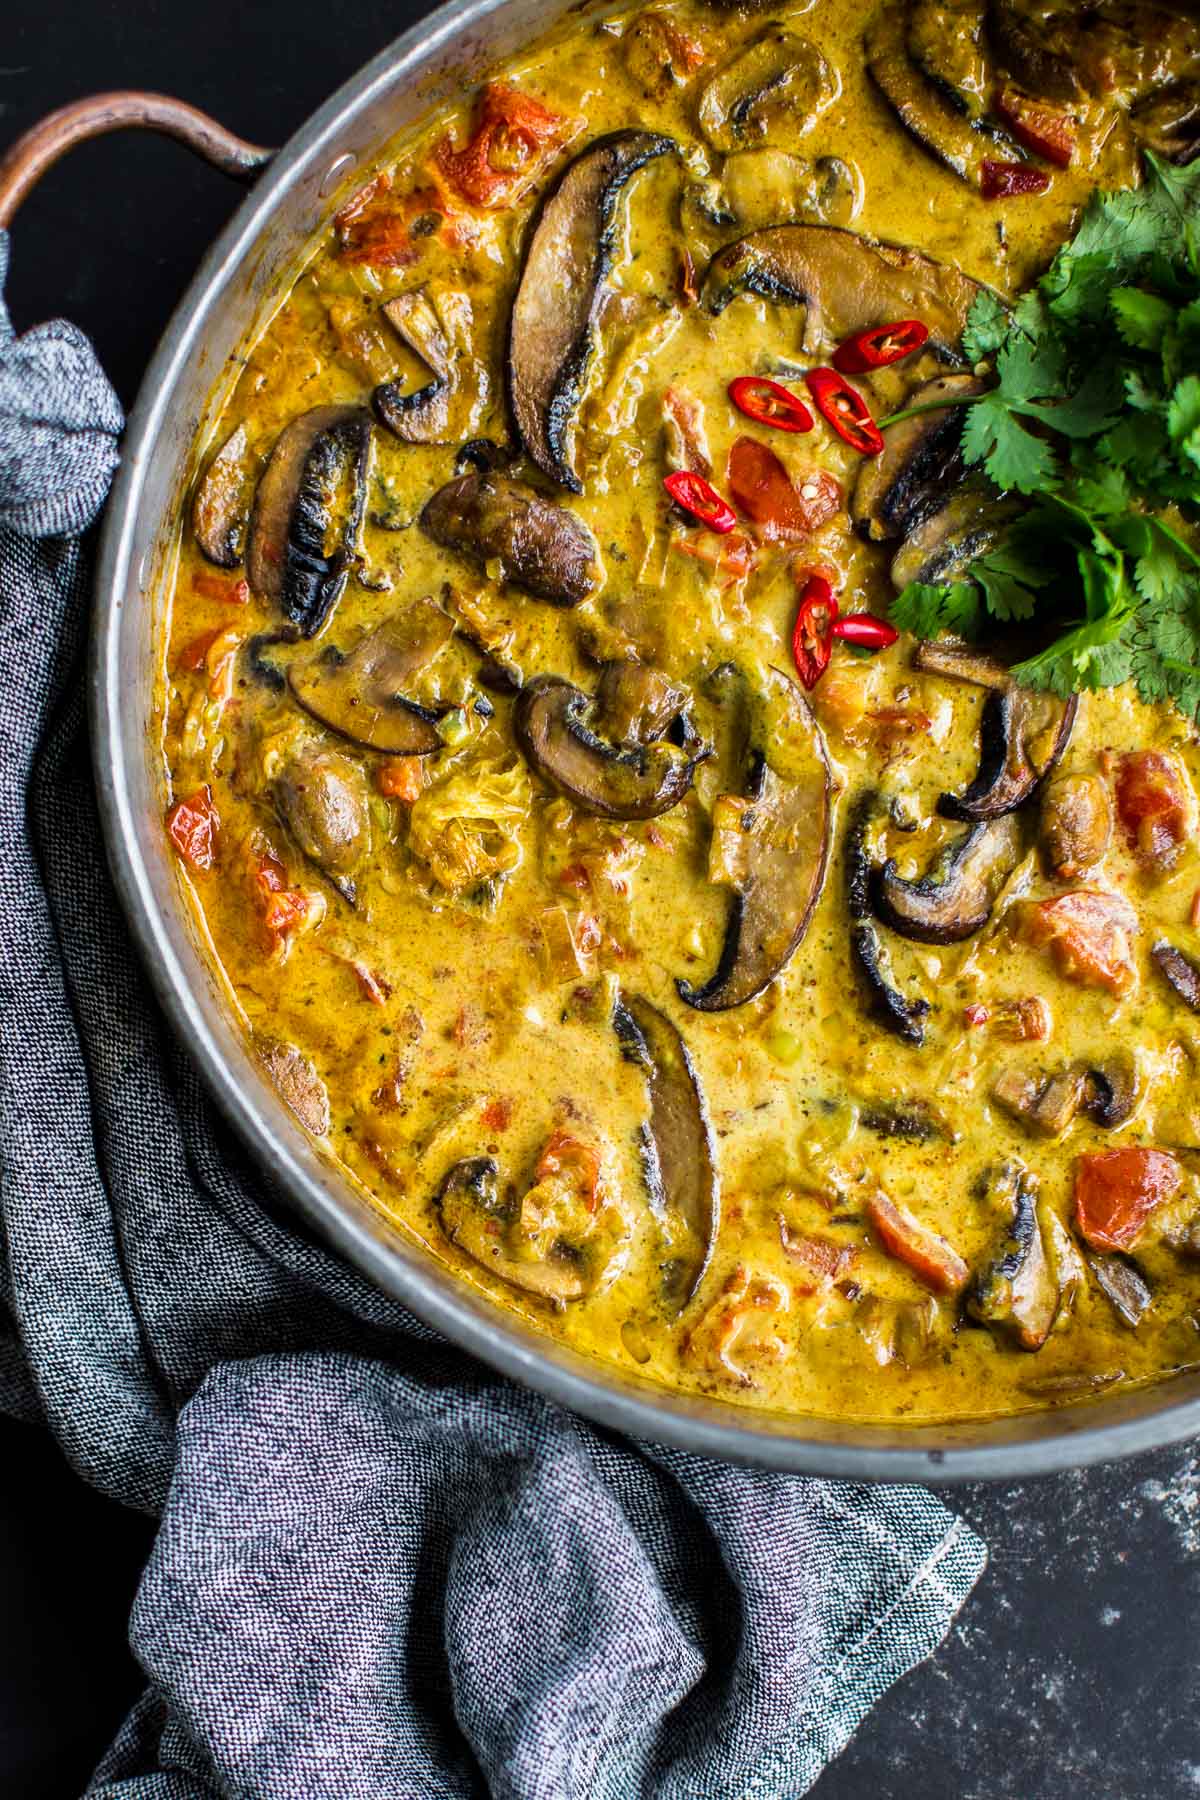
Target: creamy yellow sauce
441, 1023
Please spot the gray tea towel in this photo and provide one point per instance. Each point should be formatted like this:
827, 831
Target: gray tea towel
382, 1572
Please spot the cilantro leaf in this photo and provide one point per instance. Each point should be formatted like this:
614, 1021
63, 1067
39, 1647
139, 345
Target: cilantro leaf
1143, 320
926, 611
987, 326
1183, 418
1013, 457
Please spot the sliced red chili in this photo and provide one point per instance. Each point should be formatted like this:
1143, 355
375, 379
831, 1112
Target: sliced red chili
770, 403
1004, 181
701, 499
865, 631
879, 346
812, 634
843, 407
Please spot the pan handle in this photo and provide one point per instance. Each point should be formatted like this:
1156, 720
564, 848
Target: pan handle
26, 161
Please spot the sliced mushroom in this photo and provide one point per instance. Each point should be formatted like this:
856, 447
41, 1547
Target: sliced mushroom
507, 528
1180, 971
945, 39
956, 897
921, 461
474, 1213
1075, 825
564, 284
222, 503
1112, 49
637, 777
770, 93
844, 281
906, 1018
1045, 1105
296, 1082
1123, 1284
960, 662
1022, 734
914, 1121
420, 415
959, 139
362, 694
636, 704
942, 547
1017, 1292
782, 850
1112, 1091
898, 1331
321, 796
677, 1147
1028, 53
308, 512
1169, 122
267, 673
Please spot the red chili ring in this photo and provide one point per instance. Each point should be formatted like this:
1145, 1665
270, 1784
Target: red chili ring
701, 499
770, 403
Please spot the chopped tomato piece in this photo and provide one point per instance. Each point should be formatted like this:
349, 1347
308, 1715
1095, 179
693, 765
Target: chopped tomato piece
1024, 1021
497, 1115
975, 1014
566, 1155
400, 778
765, 492
1117, 1190
219, 587
192, 828
929, 1256
1090, 935
512, 138
389, 236
1047, 130
733, 556
1156, 805
820, 1256
284, 909
194, 655
1008, 181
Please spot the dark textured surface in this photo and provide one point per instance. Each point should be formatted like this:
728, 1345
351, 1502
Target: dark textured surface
1073, 1670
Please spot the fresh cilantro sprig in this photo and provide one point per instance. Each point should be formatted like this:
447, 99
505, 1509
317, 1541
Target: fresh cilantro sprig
1094, 417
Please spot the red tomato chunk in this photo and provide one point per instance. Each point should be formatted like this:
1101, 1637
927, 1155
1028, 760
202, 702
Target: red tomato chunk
1117, 1190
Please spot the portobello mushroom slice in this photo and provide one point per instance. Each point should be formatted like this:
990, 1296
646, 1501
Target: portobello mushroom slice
321, 796
677, 1147
1111, 1091
474, 1214
1022, 733
296, 1082
1180, 971
1075, 825
222, 503
420, 415
770, 93
539, 545
890, 1008
362, 694
308, 513
774, 842
639, 775
943, 546
921, 461
844, 281
945, 40
959, 138
1017, 1292
563, 287
1112, 49
1123, 1284
955, 899
1169, 122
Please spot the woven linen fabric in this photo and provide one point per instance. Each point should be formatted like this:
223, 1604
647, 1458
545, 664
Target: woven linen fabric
382, 1572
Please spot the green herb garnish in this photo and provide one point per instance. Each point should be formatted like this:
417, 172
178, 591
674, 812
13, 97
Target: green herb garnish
1095, 418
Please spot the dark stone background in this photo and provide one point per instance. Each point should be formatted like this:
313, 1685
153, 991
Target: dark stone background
1073, 1669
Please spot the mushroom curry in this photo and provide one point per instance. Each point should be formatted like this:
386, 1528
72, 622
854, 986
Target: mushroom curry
681, 697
